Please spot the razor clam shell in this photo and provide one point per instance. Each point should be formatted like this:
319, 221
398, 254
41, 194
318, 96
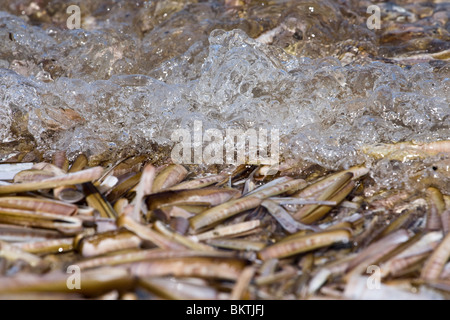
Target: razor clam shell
59, 181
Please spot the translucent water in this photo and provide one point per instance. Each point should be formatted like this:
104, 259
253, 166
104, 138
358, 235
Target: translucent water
116, 86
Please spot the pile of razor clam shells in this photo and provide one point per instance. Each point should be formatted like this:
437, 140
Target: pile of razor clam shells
137, 229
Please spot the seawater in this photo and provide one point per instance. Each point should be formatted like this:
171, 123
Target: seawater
137, 71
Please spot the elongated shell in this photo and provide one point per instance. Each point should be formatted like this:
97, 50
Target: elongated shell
198, 183
169, 177
436, 206
59, 181
303, 244
436, 262
228, 269
38, 205
223, 211
204, 197
108, 242
91, 282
